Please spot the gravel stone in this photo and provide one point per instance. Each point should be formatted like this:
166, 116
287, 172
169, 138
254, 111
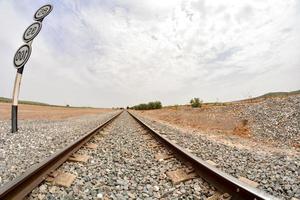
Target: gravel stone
38, 139
124, 167
276, 173
275, 120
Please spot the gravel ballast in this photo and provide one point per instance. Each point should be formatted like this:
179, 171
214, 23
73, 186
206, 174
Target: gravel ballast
123, 167
38, 139
275, 120
277, 174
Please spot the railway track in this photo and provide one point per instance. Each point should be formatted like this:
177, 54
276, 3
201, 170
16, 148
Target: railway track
24, 184
224, 183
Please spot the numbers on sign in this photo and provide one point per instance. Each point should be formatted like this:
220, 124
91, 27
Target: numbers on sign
31, 31
42, 11
21, 55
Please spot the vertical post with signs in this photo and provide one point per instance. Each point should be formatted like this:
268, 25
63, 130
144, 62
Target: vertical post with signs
21, 57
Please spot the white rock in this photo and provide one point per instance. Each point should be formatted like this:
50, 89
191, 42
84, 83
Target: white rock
156, 188
99, 196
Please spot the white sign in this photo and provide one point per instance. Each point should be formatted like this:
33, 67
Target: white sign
42, 12
22, 55
32, 31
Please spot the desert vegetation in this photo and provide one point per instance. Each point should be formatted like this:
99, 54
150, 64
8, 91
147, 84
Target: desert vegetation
148, 106
196, 102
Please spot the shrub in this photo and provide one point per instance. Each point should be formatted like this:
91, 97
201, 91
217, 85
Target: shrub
154, 105
196, 103
149, 106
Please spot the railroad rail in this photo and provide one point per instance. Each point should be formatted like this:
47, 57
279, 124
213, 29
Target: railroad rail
221, 181
24, 184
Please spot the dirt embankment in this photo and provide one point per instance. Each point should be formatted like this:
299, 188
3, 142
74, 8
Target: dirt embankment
272, 120
47, 112
207, 118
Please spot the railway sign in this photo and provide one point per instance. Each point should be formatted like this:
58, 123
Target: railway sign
42, 12
32, 31
22, 55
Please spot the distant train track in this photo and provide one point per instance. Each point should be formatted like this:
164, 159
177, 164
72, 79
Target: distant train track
224, 183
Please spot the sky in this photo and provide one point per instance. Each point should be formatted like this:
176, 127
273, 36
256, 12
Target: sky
113, 53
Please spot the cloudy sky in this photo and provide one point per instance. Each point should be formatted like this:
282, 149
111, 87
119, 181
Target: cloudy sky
118, 53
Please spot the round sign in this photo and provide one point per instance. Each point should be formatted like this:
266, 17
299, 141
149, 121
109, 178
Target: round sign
32, 31
42, 12
22, 55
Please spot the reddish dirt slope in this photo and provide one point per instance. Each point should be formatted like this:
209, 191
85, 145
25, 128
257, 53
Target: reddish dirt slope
208, 118
273, 120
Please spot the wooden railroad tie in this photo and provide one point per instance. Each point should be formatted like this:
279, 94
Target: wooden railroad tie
212, 163
91, 146
78, 158
248, 181
98, 137
104, 133
180, 175
146, 137
154, 145
163, 156
219, 196
61, 178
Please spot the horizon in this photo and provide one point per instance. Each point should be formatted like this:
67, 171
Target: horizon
163, 105
122, 53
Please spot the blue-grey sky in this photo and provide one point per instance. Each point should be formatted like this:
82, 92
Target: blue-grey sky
123, 52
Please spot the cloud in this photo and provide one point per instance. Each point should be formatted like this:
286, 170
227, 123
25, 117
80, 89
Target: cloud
118, 53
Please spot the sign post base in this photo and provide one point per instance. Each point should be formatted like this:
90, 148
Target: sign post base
14, 118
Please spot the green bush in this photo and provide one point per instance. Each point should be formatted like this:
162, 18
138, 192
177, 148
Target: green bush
148, 106
196, 103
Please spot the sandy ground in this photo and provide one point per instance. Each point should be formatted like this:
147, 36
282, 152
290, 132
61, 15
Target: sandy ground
224, 124
47, 112
220, 124
214, 119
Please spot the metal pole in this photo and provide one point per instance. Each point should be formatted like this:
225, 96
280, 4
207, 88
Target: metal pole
14, 107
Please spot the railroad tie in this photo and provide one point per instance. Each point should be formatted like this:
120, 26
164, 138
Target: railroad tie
248, 181
154, 145
78, 158
180, 175
163, 156
219, 196
212, 163
91, 146
61, 178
